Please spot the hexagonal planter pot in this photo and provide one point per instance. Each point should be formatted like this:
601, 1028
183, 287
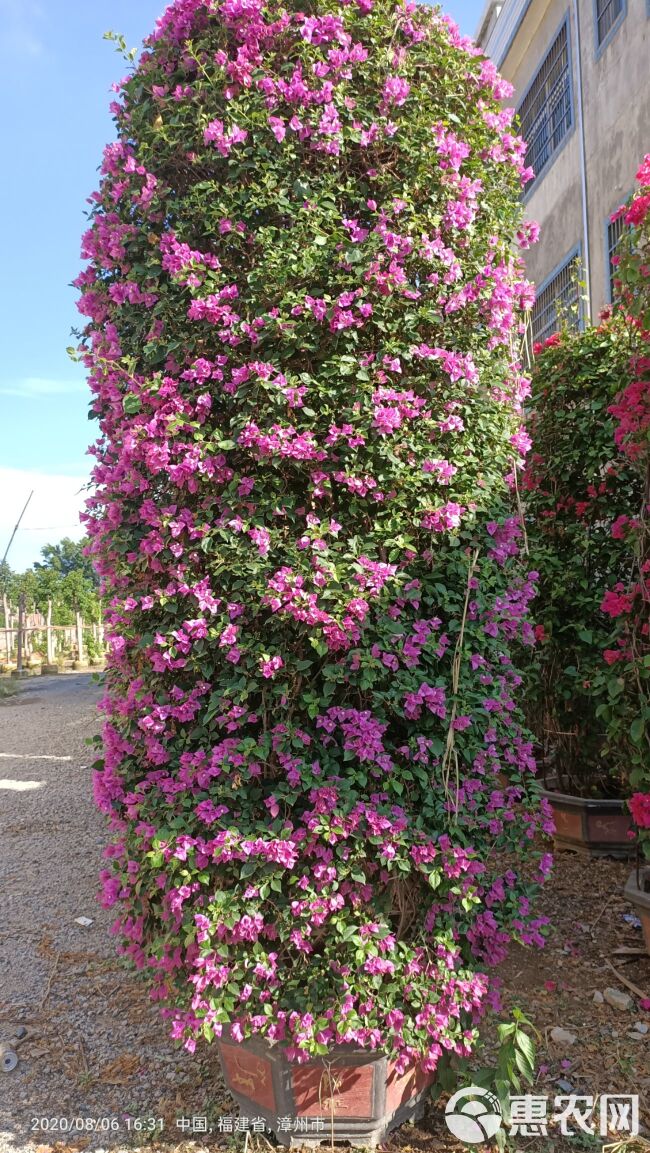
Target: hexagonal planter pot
350, 1095
639, 896
596, 828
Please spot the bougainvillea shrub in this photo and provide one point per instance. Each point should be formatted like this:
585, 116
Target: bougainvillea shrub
304, 297
580, 493
627, 603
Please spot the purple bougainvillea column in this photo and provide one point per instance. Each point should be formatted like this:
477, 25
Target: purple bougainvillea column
304, 301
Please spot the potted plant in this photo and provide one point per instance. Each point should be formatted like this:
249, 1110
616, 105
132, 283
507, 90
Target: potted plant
314, 760
637, 891
579, 495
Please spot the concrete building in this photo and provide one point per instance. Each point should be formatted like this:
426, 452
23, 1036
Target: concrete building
581, 74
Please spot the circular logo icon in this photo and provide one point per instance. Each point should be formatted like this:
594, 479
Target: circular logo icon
473, 1115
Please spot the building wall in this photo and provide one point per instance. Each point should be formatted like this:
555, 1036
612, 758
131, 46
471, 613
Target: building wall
554, 200
616, 84
616, 117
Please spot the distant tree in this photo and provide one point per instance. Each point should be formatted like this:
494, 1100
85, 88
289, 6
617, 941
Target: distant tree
64, 577
7, 580
67, 557
77, 595
10, 589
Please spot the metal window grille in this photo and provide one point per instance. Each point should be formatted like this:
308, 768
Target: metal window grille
558, 303
607, 13
615, 230
545, 112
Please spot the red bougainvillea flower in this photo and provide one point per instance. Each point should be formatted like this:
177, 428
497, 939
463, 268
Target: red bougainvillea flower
643, 174
616, 602
638, 210
639, 806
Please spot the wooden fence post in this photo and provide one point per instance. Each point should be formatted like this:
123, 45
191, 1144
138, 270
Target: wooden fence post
50, 635
7, 628
21, 621
80, 637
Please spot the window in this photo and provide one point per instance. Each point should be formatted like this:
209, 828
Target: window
607, 15
546, 110
615, 230
558, 301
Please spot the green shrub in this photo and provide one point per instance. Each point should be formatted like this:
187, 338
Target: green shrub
578, 494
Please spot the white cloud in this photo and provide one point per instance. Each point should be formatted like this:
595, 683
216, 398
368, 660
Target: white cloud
31, 386
19, 20
52, 513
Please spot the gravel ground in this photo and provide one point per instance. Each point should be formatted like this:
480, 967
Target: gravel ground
95, 1052
94, 1046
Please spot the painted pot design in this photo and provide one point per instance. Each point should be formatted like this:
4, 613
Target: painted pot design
350, 1095
598, 828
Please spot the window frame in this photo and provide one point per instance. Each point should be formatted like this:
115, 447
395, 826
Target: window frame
573, 256
620, 202
602, 45
609, 294
564, 26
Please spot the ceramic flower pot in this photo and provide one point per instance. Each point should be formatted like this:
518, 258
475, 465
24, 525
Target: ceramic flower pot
639, 896
350, 1095
598, 828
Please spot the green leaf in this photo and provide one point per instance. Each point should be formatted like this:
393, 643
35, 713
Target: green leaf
525, 1067
637, 730
615, 687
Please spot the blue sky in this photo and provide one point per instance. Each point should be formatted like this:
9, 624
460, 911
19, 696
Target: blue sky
55, 76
